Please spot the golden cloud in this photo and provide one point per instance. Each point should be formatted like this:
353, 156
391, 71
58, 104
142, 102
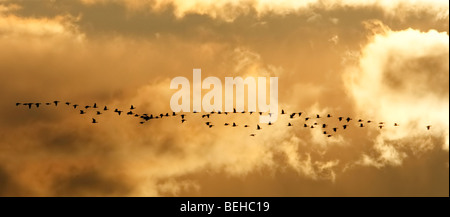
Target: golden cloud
326, 64
230, 9
403, 76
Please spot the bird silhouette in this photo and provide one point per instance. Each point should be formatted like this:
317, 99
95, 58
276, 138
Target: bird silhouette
258, 127
207, 115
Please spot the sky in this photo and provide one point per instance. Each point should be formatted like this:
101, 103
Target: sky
383, 61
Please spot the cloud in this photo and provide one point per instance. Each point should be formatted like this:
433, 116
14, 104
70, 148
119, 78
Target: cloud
402, 77
16, 27
80, 53
230, 9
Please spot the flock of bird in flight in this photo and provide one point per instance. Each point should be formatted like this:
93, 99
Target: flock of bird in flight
309, 121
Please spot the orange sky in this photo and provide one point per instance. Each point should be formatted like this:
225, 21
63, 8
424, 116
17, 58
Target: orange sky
371, 60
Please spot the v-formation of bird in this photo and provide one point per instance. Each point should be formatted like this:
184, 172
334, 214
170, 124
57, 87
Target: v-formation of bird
308, 121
